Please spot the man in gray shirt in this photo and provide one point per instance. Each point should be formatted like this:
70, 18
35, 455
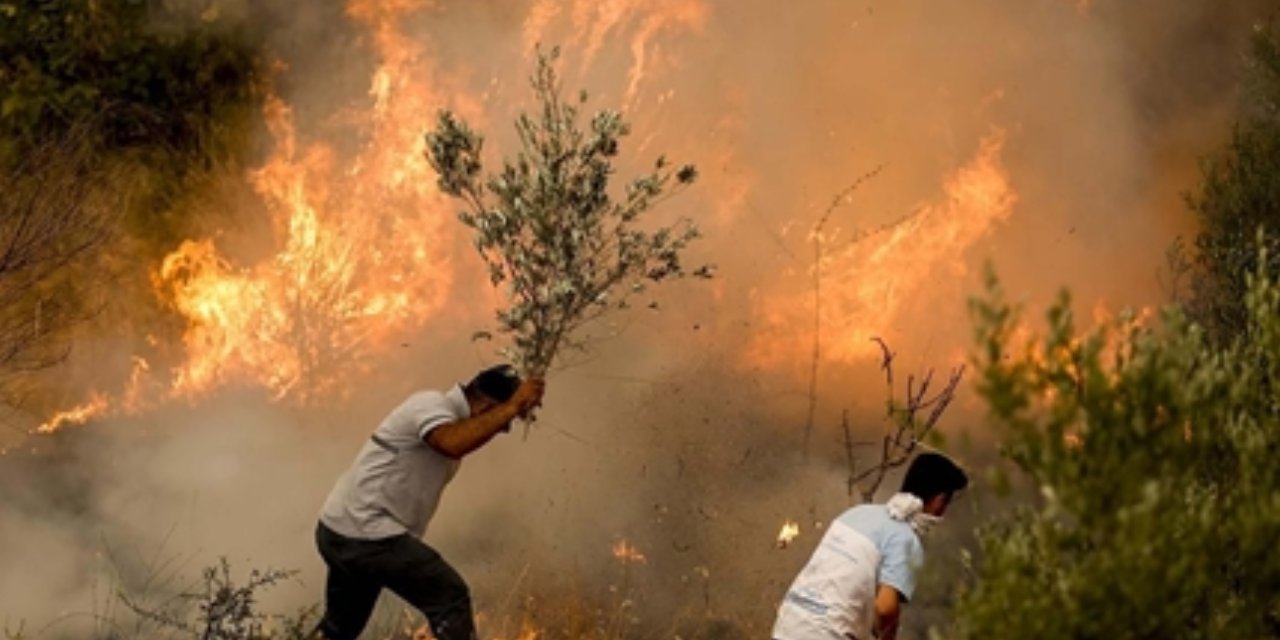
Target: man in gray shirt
372, 523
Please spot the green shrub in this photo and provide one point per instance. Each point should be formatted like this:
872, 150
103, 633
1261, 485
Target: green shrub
1154, 454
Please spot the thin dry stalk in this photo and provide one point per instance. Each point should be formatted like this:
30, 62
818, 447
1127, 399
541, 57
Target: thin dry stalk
817, 236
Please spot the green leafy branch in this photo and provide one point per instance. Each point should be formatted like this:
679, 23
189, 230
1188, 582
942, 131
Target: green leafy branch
566, 249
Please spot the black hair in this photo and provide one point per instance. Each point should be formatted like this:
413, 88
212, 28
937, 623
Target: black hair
932, 474
497, 383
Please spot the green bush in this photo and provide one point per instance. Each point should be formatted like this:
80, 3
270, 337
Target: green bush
1240, 193
146, 75
1154, 454
162, 90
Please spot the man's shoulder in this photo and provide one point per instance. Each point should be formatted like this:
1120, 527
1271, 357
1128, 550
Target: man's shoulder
430, 401
419, 407
904, 533
864, 514
873, 519
425, 397
867, 508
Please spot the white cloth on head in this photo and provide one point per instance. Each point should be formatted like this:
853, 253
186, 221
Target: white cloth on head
908, 508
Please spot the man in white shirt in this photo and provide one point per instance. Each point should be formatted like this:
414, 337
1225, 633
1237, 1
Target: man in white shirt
372, 523
864, 568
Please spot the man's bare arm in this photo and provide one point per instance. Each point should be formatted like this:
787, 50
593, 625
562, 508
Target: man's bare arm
888, 611
457, 439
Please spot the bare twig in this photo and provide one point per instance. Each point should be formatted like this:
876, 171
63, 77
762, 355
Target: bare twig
851, 460
219, 609
906, 424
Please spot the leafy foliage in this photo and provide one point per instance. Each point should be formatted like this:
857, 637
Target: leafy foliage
139, 70
1154, 452
114, 116
1240, 194
548, 227
149, 85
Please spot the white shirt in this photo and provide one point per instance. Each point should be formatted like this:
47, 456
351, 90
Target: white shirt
394, 485
834, 596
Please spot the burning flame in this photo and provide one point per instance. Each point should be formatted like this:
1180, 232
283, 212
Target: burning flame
790, 529
627, 553
360, 257
361, 241
1125, 321
95, 406
866, 281
593, 21
363, 246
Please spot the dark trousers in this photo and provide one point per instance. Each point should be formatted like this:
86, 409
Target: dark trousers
360, 569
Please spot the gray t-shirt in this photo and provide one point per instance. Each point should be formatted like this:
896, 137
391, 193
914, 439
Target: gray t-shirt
394, 485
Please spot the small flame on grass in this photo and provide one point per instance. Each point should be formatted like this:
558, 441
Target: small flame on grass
626, 553
790, 529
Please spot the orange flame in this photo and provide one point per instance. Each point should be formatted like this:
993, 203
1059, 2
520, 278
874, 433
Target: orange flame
627, 553
94, 407
360, 256
363, 253
790, 529
594, 21
871, 277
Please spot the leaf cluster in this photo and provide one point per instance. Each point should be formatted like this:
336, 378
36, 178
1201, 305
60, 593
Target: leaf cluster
1153, 451
154, 86
547, 226
140, 71
1239, 194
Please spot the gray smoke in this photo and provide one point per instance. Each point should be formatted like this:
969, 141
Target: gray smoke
663, 437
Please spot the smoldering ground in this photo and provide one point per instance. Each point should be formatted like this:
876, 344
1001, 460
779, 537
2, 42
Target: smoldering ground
668, 437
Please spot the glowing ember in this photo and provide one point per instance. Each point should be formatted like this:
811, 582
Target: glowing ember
626, 553
790, 530
96, 406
